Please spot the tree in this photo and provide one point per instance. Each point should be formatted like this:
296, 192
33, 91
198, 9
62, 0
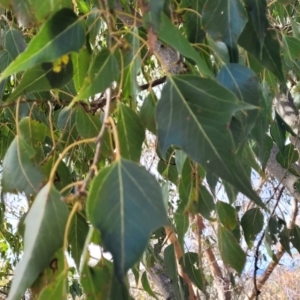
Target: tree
89, 88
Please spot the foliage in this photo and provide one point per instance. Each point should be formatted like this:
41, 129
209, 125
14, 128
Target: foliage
80, 108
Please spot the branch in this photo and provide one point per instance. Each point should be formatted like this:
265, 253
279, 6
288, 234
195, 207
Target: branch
273, 264
222, 285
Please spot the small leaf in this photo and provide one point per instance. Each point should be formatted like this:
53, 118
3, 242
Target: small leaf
227, 215
205, 204
189, 261
277, 131
231, 252
147, 112
146, 285
125, 203
288, 156
77, 235
252, 223
44, 232
62, 34
131, 133
103, 71
97, 281
295, 237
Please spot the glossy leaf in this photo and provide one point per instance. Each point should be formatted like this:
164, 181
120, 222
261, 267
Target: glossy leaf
131, 133
194, 115
47, 217
103, 71
62, 34
252, 223
224, 20
231, 252
125, 204
227, 215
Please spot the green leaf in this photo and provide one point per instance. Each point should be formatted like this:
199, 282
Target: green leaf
277, 132
19, 171
44, 232
205, 204
32, 12
147, 112
55, 277
77, 235
14, 42
231, 252
5, 60
125, 203
42, 78
225, 20
103, 71
252, 223
243, 82
62, 34
93, 23
146, 285
171, 268
89, 126
258, 12
194, 114
81, 62
189, 261
192, 21
295, 237
270, 56
131, 133
152, 14
169, 34
97, 281
227, 215
288, 156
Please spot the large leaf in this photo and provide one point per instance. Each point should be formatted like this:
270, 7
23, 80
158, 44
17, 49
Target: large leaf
270, 56
44, 232
252, 223
103, 71
224, 20
42, 78
62, 34
125, 203
34, 12
19, 170
170, 34
258, 13
131, 133
194, 114
231, 252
